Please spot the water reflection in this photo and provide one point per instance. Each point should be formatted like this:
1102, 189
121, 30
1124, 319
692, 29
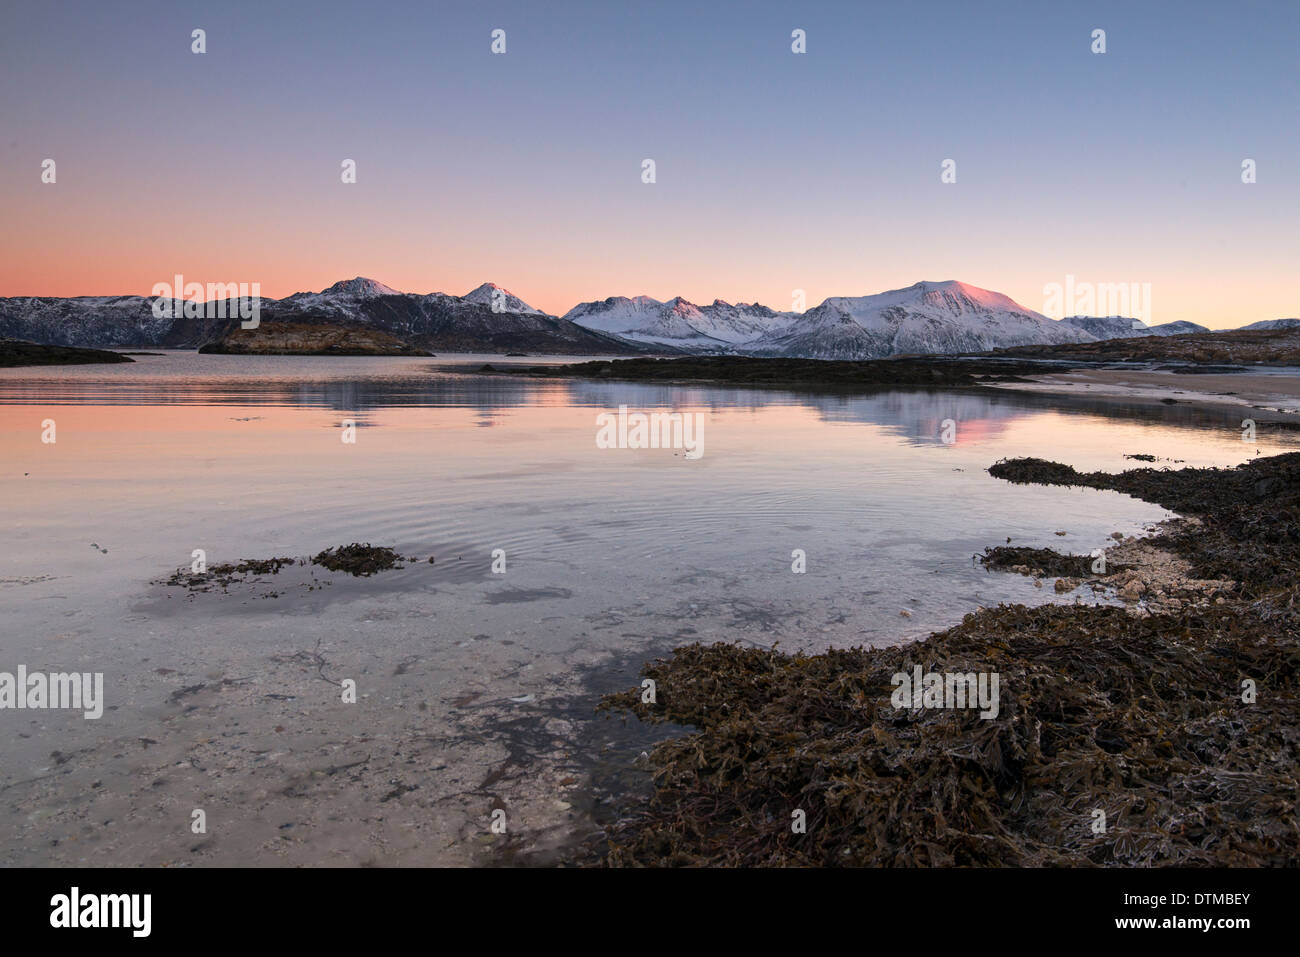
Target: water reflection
360, 387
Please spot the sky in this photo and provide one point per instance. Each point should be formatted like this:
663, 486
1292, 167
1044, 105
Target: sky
775, 171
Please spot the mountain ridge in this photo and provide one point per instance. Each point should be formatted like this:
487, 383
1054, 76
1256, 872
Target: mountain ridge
928, 317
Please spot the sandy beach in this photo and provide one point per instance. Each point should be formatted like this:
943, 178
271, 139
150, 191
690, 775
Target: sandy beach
1268, 395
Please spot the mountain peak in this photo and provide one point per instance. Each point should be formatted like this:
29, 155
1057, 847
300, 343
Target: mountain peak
1274, 324
360, 288
955, 289
488, 293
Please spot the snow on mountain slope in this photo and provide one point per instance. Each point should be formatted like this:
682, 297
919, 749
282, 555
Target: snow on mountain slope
678, 322
1274, 324
340, 299
436, 321
486, 293
740, 323
346, 298
617, 314
1108, 327
88, 321
1179, 328
1123, 327
928, 317
359, 288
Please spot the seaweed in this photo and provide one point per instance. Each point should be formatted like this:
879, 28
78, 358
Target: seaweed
1121, 739
1037, 561
227, 573
1250, 515
1100, 710
358, 559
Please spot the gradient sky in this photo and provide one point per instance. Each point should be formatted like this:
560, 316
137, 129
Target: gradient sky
776, 171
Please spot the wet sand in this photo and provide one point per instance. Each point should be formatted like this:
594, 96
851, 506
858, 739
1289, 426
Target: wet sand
1268, 396
444, 731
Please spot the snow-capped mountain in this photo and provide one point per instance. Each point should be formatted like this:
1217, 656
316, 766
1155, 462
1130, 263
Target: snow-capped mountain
487, 293
928, 317
1108, 327
1274, 324
340, 299
83, 320
741, 323
618, 314
1124, 327
680, 323
1180, 328
455, 324
426, 322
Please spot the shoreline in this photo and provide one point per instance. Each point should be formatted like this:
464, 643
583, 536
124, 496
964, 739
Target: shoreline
20, 354
1273, 398
1158, 733
1066, 383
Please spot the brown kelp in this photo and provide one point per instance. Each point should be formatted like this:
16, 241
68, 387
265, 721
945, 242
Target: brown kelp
1119, 739
227, 573
358, 559
355, 559
1039, 561
1249, 529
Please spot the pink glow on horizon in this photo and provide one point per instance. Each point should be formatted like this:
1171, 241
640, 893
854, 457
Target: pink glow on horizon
80, 243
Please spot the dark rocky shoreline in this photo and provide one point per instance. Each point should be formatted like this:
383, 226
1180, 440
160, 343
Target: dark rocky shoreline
832, 375
1124, 735
1204, 353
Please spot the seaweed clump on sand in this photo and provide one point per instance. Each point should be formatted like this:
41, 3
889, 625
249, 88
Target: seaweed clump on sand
1118, 738
1098, 711
1038, 561
355, 559
227, 573
358, 559
1248, 527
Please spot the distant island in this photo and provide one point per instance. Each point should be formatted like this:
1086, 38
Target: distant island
310, 338
17, 352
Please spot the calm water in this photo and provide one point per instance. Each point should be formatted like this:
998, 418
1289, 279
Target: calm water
243, 457
610, 554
